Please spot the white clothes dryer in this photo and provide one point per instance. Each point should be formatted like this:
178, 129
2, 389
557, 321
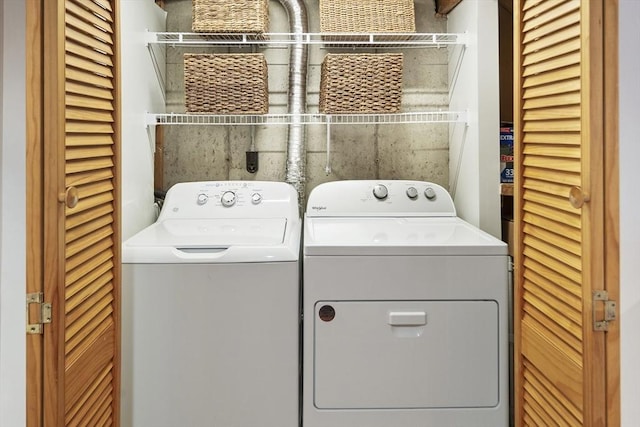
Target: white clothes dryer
405, 310
210, 309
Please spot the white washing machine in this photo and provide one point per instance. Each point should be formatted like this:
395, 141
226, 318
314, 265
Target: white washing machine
210, 309
405, 310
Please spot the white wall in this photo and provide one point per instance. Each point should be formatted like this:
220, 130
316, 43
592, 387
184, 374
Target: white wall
629, 211
474, 150
141, 92
12, 215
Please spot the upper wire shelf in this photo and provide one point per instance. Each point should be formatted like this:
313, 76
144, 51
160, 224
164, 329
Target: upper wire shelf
312, 118
386, 40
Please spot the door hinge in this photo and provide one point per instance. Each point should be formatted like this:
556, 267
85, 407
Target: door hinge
42, 312
609, 311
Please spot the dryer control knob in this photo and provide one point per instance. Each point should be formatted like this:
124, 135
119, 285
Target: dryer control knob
412, 193
228, 198
430, 193
202, 199
380, 192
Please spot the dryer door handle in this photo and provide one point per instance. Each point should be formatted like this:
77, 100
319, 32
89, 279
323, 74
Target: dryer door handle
407, 318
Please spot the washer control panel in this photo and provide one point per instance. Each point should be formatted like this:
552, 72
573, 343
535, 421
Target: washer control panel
224, 198
380, 198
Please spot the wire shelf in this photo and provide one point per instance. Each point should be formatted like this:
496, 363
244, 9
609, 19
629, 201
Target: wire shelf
386, 40
307, 119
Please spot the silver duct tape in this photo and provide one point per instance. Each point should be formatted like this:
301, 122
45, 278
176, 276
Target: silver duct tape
296, 160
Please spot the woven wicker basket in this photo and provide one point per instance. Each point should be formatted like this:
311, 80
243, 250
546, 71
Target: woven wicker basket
361, 83
226, 83
230, 16
367, 16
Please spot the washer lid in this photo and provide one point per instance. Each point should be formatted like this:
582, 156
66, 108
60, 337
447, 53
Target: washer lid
397, 236
222, 232
214, 240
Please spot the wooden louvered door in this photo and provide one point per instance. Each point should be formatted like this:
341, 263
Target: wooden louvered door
559, 203
81, 364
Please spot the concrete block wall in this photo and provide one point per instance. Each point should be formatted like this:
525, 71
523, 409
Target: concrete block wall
398, 151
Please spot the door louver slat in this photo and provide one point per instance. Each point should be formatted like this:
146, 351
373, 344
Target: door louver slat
88, 65
550, 224
542, 415
83, 371
75, 166
565, 221
553, 77
88, 140
569, 416
552, 264
83, 217
555, 88
89, 17
541, 56
81, 337
557, 240
553, 14
567, 166
567, 178
89, 152
82, 51
103, 103
542, 351
74, 74
553, 101
99, 8
550, 29
87, 240
550, 201
565, 60
561, 316
567, 112
539, 9
89, 115
570, 262
75, 284
553, 39
557, 150
553, 126
88, 227
84, 408
92, 127
76, 265
87, 177
552, 138
551, 282
80, 305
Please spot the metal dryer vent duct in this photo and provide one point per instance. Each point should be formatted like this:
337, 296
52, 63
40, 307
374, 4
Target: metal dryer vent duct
297, 99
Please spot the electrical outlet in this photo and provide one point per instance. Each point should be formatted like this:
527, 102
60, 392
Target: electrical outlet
252, 161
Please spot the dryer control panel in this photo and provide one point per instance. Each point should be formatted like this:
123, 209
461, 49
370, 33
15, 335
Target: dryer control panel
237, 199
380, 198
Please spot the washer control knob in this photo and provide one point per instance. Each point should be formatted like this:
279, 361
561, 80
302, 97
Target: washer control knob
256, 198
228, 198
430, 193
412, 193
380, 192
202, 199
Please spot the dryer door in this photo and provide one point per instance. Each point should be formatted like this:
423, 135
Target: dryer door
406, 354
